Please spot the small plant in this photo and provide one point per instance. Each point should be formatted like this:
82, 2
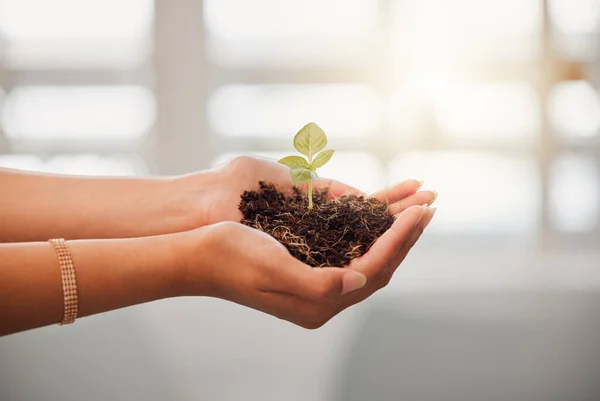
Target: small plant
309, 141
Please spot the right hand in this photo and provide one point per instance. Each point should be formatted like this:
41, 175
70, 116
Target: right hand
214, 196
234, 262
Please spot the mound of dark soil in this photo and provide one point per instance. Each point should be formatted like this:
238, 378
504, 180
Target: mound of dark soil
332, 234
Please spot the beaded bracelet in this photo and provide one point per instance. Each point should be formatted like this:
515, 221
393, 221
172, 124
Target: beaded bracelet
69, 283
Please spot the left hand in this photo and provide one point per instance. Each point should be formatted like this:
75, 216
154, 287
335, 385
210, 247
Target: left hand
246, 266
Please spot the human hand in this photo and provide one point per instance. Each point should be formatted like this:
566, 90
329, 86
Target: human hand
216, 194
243, 265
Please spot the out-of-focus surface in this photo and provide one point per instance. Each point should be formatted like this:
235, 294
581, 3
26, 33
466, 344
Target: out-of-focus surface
479, 346
493, 103
513, 328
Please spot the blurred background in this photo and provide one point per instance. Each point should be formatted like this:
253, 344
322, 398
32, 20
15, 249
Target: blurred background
493, 103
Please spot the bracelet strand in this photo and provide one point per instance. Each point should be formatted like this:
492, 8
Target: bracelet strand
69, 282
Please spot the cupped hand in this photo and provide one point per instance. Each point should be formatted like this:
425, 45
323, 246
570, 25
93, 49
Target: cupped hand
243, 265
219, 199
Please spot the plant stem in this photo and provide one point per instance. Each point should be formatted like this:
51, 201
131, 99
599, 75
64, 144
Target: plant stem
310, 202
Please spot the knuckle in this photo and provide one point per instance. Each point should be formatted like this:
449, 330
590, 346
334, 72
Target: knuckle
224, 227
325, 290
218, 231
240, 162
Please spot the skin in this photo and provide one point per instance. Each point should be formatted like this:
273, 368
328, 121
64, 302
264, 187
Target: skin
170, 237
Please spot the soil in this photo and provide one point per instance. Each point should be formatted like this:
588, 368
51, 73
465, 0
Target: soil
332, 234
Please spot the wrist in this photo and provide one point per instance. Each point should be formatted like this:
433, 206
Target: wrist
191, 255
189, 197
166, 251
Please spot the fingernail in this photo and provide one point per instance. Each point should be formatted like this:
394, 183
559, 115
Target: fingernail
435, 195
424, 208
420, 183
352, 282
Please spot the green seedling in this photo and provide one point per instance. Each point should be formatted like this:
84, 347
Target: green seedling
309, 141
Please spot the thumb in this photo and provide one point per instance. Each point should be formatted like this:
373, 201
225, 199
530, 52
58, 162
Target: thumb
322, 283
352, 281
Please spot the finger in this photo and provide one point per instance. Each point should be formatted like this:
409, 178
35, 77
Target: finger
314, 298
420, 198
414, 237
380, 282
398, 191
387, 246
335, 188
319, 284
403, 251
429, 214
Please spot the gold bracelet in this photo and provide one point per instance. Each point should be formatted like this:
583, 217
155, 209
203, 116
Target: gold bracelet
69, 283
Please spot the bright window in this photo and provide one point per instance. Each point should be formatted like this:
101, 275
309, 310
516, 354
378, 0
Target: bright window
78, 94
271, 33
92, 112
76, 34
574, 110
575, 193
277, 110
479, 192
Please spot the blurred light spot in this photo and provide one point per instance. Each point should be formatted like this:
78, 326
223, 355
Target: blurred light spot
41, 19
488, 112
575, 193
575, 28
281, 110
575, 16
465, 32
406, 112
478, 192
73, 33
78, 164
574, 109
59, 113
357, 169
274, 32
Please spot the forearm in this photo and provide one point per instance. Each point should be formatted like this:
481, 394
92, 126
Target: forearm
111, 274
36, 207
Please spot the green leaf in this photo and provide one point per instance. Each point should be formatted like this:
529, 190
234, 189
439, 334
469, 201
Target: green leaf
322, 158
310, 140
301, 174
294, 161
